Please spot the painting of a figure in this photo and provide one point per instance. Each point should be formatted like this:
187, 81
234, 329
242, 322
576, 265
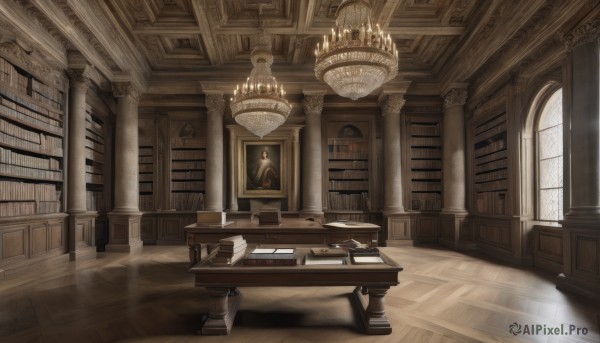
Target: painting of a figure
263, 163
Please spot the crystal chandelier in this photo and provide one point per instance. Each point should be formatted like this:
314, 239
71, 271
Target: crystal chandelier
259, 104
355, 60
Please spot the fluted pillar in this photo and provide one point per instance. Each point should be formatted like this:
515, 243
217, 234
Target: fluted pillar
398, 231
81, 224
215, 106
581, 227
392, 173
312, 182
453, 166
124, 220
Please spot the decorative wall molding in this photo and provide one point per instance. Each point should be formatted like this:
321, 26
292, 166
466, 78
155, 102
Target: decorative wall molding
80, 78
456, 96
392, 103
312, 104
123, 89
584, 33
215, 103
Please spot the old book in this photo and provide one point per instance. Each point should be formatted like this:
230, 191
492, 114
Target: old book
310, 260
233, 240
329, 252
232, 249
366, 259
269, 216
227, 261
210, 217
272, 259
364, 251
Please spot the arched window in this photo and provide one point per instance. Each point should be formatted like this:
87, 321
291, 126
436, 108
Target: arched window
550, 159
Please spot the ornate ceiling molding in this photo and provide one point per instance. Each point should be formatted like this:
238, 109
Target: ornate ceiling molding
455, 97
584, 33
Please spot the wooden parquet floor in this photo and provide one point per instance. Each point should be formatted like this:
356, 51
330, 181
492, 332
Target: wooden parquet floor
444, 296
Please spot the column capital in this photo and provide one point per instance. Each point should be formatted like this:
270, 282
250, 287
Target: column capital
80, 78
584, 33
392, 103
455, 97
125, 89
313, 104
214, 103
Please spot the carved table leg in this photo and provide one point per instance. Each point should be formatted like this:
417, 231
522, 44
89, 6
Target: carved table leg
372, 314
223, 307
194, 254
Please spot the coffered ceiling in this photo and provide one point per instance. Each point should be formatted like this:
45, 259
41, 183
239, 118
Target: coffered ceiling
186, 46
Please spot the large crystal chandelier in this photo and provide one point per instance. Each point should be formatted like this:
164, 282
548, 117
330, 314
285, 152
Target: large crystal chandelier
259, 104
355, 59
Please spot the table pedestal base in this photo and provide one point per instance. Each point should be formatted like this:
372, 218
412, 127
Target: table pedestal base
224, 303
371, 312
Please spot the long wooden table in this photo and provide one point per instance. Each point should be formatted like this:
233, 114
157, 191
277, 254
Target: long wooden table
290, 231
371, 280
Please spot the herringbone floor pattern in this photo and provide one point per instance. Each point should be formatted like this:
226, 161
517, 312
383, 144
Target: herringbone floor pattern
444, 296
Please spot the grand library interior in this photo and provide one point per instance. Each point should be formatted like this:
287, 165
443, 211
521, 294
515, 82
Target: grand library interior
455, 141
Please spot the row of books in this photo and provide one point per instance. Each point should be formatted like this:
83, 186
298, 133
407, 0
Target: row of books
187, 186
423, 129
349, 155
26, 208
95, 201
492, 176
490, 148
95, 168
425, 141
48, 145
426, 201
363, 164
8, 156
94, 145
349, 174
93, 125
31, 173
418, 186
490, 123
19, 132
94, 178
146, 159
426, 174
146, 168
491, 202
348, 148
491, 132
146, 202
348, 185
188, 175
355, 201
145, 177
499, 164
22, 97
426, 164
145, 151
9, 109
426, 152
195, 154
498, 185
188, 142
187, 165
94, 155
145, 187
498, 155
187, 201
23, 191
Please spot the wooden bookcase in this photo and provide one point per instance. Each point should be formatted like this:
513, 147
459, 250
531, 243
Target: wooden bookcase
147, 157
95, 160
348, 169
188, 165
31, 144
490, 167
32, 221
424, 135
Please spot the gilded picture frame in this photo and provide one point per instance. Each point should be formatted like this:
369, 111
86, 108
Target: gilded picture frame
263, 169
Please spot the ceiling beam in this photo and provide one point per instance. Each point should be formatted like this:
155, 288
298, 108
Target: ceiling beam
208, 36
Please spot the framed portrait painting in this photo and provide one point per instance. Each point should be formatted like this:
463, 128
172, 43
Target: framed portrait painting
262, 169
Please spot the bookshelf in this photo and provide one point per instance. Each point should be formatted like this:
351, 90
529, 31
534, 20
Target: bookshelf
94, 162
31, 144
188, 165
146, 174
348, 169
490, 167
425, 151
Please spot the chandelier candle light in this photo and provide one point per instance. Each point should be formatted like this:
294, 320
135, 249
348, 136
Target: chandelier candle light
355, 59
259, 104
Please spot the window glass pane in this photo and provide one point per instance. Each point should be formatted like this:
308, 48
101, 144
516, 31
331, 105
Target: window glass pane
550, 141
550, 160
552, 112
550, 205
551, 173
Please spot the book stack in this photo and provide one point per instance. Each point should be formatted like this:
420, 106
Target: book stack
231, 250
326, 255
365, 256
271, 257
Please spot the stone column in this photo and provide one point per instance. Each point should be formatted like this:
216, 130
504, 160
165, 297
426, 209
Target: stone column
453, 167
233, 204
124, 220
215, 106
397, 220
581, 227
312, 169
81, 224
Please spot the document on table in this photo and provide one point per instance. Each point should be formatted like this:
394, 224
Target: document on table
312, 260
273, 251
366, 259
